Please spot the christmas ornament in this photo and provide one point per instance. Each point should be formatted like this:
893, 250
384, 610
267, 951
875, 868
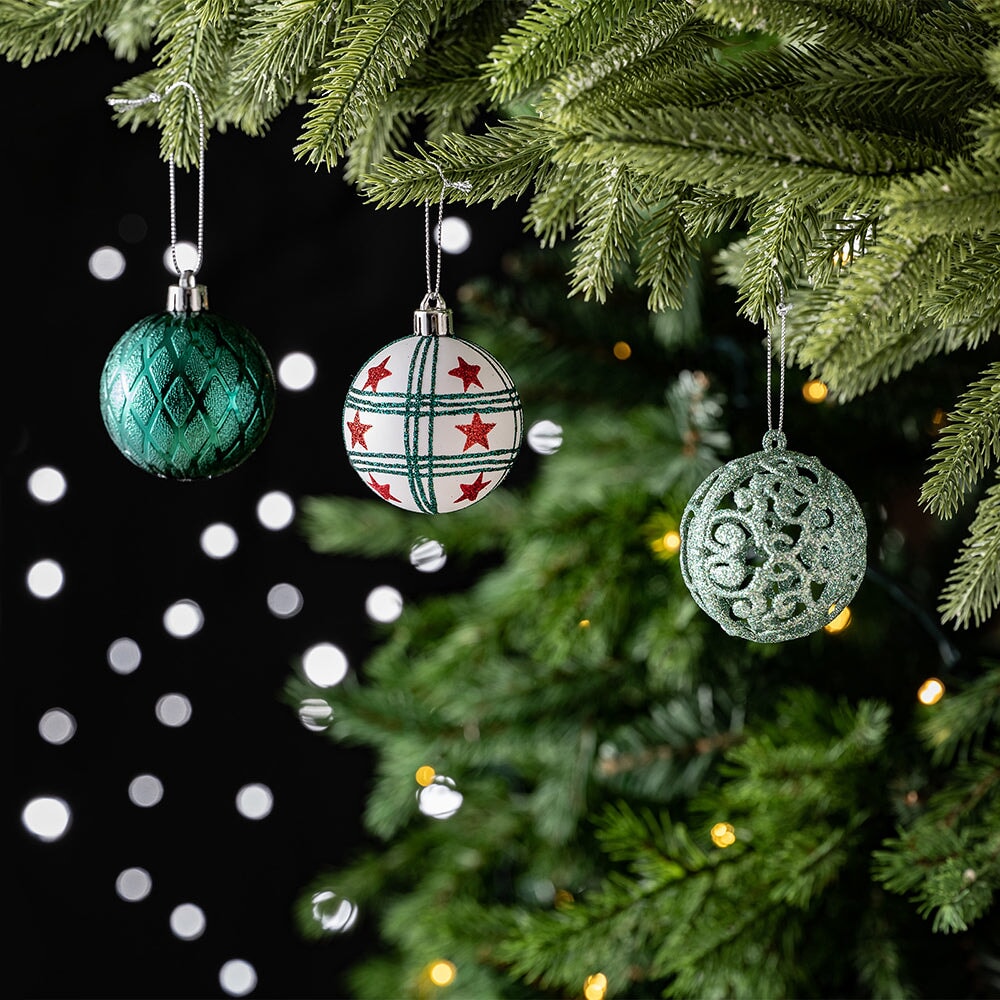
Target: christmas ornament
431, 422
186, 394
773, 545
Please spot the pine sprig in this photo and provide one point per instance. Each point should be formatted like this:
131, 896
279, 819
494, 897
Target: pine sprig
971, 592
32, 30
372, 52
550, 34
967, 446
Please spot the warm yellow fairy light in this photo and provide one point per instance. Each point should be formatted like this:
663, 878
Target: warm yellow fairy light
930, 692
562, 899
723, 834
840, 622
815, 391
622, 351
441, 972
584, 623
595, 986
672, 541
425, 775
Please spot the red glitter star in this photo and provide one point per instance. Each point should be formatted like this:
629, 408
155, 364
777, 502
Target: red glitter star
358, 430
469, 374
384, 490
471, 491
475, 433
376, 374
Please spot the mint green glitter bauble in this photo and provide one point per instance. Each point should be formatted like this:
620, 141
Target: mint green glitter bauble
773, 545
187, 395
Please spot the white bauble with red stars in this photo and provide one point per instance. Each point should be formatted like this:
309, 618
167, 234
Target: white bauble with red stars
432, 423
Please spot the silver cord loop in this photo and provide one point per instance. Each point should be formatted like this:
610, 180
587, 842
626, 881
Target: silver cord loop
783, 308
434, 288
156, 98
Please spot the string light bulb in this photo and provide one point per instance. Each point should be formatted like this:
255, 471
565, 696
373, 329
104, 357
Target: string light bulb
622, 351
723, 834
839, 623
930, 692
815, 391
425, 775
595, 986
442, 972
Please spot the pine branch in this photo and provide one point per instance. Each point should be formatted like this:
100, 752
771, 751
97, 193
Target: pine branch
608, 227
131, 30
972, 590
966, 447
372, 52
963, 197
32, 30
550, 34
665, 254
960, 723
841, 22
279, 47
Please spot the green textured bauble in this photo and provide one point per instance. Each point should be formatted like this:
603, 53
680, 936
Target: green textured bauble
773, 545
187, 395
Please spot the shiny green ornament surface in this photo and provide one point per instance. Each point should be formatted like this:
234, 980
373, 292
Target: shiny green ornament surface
773, 545
187, 395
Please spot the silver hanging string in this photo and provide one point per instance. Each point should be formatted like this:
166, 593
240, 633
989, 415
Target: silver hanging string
156, 98
434, 287
783, 308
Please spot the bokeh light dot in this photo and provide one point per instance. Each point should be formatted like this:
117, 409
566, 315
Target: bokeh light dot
284, 600
145, 790
296, 371
254, 801
47, 484
187, 921
133, 884
315, 714
455, 235
931, 691
106, 263
545, 437
173, 710
219, 540
427, 555
57, 726
324, 664
45, 578
275, 510
442, 972
332, 912
237, 977
124, 655
183, 618
186, 254
46, 817
440, 799
384, 604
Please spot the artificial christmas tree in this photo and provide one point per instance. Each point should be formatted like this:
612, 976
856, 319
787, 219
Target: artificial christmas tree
649, 805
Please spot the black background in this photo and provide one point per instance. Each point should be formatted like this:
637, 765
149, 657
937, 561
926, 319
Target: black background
296, 256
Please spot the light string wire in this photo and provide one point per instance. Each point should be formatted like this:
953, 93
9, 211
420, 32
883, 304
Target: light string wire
434, 288
156, 98
783, 308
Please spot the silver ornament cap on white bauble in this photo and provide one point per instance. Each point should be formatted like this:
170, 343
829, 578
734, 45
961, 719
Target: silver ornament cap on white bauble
432, 423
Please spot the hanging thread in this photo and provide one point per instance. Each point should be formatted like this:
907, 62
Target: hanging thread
156, 98
434, 288
783, 309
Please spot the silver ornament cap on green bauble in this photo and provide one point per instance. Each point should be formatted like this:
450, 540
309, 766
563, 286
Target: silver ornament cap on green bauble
187, 394
773, 545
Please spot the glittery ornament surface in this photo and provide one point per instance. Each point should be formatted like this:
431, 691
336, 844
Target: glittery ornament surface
432, 423
187, 395
773, 545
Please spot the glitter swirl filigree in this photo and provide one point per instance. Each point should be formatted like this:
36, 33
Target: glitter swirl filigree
773, 544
